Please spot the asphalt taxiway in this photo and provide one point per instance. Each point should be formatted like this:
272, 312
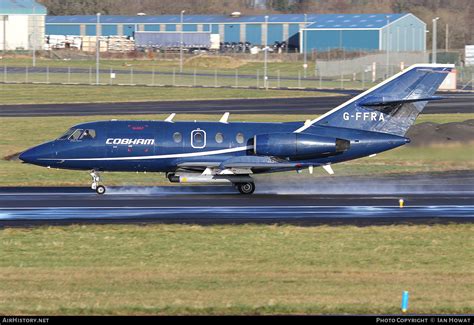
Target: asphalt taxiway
337, 202
455, 103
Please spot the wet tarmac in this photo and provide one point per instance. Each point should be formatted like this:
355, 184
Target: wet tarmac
337, 201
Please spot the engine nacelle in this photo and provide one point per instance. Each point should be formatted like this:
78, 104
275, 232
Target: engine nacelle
298, 145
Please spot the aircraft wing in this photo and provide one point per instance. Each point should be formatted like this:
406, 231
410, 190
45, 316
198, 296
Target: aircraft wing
261, 165
199, 164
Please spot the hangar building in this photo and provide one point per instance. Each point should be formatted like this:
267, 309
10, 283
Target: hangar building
405, 33
310, 32
22, 24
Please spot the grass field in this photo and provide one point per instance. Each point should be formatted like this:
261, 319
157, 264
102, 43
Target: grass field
236, 270
18, 134
49, 94
203, 63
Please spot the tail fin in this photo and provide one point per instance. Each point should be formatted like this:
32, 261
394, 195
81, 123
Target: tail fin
392, 106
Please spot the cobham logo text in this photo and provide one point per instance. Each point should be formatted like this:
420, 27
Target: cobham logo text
366, 116
145, 142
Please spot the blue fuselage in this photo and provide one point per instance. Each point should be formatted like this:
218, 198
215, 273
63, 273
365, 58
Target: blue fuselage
163, 146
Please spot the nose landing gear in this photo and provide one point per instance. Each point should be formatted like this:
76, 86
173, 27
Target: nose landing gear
100, 189
246, 188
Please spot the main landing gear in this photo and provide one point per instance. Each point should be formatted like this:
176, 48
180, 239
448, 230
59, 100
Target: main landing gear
246, 188
99, 189
243, 183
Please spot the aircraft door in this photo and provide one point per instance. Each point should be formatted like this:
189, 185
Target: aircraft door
198, 139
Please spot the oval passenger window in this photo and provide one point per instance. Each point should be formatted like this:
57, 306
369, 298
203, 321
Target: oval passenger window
177, 137
240, 138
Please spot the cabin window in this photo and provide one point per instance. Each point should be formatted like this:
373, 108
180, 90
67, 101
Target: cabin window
219, 137
88, 135
240, 138
177, 137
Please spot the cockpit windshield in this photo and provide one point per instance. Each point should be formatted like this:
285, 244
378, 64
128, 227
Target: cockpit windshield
78, 134
66, 135
75, 135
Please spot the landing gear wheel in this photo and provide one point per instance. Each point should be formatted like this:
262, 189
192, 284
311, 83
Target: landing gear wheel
95, 183
100, 190
246, 188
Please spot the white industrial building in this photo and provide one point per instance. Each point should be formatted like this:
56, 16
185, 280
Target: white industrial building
22, 24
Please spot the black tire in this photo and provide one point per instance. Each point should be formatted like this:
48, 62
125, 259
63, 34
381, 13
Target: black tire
100, 190
246, 188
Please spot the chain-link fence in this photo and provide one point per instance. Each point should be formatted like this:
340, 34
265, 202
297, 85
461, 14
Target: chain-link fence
275, 78
359, 72
466, 78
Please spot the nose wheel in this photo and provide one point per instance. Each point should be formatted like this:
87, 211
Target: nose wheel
99, 189
246, 188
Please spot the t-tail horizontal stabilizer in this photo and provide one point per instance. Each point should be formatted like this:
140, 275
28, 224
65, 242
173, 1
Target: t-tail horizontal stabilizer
390, 107
387, 102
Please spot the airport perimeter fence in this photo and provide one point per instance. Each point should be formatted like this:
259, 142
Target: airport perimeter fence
355, 73
143, 76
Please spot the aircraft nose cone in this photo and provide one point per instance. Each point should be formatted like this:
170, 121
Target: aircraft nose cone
35, 154
27, 156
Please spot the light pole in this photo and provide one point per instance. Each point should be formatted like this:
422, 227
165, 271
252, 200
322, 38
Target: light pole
425, 39
388, 46
181, 43
97, 51
305, 54
5, 19
34, 36
434, 55
265, 65
447, 37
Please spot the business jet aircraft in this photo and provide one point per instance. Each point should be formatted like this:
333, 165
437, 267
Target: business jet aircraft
224, 152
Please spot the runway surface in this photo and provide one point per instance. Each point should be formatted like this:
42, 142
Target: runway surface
456, 103
336, 202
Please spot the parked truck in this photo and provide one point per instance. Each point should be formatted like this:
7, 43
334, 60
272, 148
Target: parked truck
172, 40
